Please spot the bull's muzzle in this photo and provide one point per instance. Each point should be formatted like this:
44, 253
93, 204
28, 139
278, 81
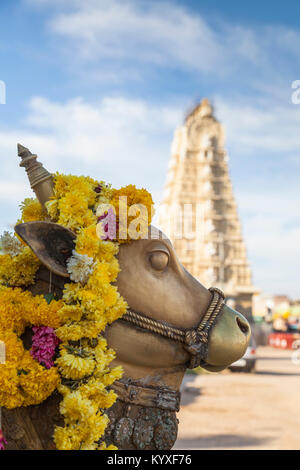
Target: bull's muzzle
228, 341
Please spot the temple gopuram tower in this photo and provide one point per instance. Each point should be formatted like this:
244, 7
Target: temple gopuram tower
198, 185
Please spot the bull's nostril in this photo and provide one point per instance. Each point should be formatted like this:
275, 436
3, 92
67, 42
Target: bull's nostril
243, 326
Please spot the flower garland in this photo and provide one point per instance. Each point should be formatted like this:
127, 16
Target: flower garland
68, 352
23, 380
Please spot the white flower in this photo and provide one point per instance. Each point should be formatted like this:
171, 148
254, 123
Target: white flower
80, 267
10, 245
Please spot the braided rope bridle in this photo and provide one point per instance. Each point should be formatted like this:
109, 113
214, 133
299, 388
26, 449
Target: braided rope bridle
195, 340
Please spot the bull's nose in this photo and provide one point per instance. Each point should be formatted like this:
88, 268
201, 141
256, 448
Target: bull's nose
243, 325
229, 338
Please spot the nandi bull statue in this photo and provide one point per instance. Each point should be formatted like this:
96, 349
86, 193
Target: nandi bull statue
173, 323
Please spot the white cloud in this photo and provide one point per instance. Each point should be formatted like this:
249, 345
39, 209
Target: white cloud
166, 33
271, 226
119, 140
159, 33
12, 192
112, 130
266, 126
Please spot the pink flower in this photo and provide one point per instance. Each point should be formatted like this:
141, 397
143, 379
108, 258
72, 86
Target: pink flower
2, 440
44, 342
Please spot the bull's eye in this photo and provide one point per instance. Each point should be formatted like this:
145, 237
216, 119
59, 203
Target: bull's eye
159, 260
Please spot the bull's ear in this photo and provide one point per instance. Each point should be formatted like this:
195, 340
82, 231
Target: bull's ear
52, 244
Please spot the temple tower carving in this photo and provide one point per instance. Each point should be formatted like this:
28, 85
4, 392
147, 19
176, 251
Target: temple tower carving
199, 195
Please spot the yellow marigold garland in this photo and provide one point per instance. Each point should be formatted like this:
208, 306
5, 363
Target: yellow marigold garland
81, 372
23, 381
18, 270
32, 210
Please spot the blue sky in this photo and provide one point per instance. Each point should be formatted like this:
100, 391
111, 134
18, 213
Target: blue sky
97, 87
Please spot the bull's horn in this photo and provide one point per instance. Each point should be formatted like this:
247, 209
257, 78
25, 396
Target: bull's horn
41, 181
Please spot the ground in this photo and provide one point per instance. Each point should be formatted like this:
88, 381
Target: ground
243, 411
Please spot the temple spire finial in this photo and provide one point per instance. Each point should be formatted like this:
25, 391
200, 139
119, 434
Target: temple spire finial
206, 108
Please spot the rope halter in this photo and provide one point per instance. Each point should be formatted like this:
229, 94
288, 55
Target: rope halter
195, 340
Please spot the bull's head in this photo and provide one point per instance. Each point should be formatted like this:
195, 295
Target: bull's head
154, 283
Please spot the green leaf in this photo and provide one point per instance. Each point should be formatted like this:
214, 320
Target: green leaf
48, 298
